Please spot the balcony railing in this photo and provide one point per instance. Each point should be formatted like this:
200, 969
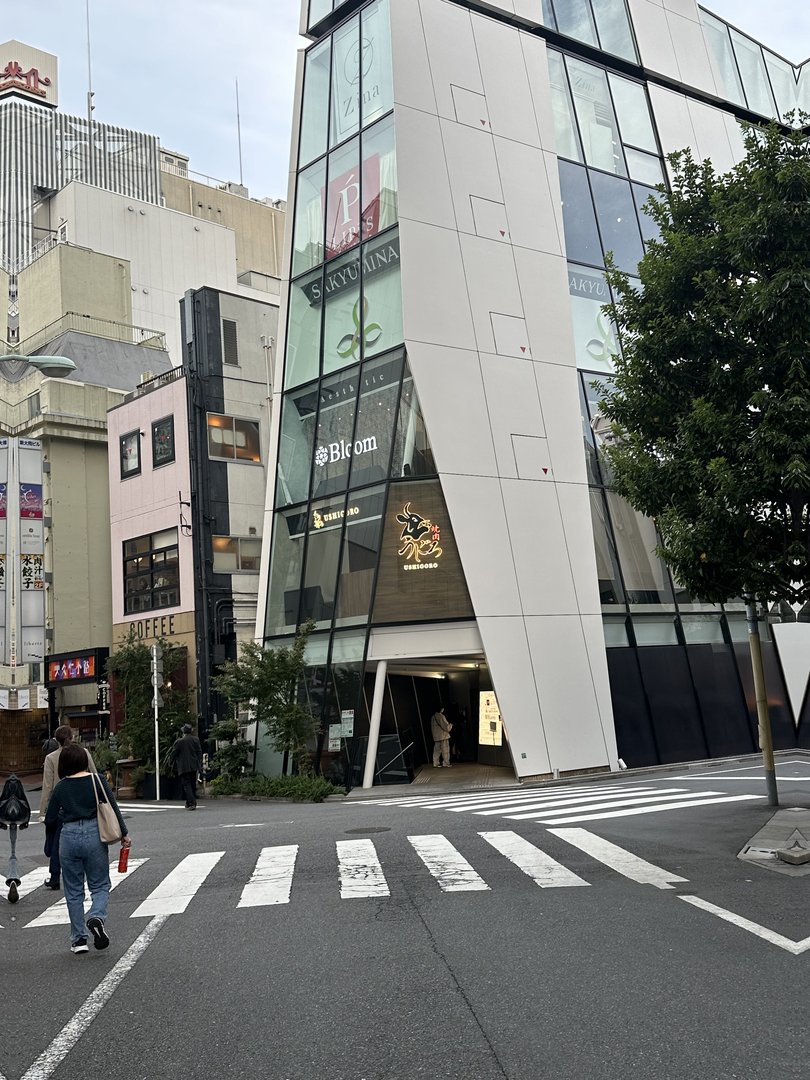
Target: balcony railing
89, 324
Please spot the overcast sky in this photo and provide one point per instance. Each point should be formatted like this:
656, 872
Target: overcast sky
168, 67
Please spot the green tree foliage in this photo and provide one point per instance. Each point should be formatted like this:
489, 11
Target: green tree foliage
711, 399
231, 759
130, 666
268, 681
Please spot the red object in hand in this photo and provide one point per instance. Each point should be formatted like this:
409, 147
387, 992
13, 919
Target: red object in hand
123, 859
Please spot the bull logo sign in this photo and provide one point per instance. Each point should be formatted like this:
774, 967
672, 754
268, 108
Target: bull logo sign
419, 539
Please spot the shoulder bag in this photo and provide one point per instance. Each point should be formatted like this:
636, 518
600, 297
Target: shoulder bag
109, 828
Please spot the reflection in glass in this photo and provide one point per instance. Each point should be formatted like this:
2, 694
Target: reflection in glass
754, 76
315, 105
318, 9
597, 123
643, 167
649, 226
565, 125
376, 415
346, 62
613, 26
335, 441
308, 233
325, 529
342, 318
618, 224
382, 295
588, 441
377, 83
607, 564
295, 445
361, 546
285, 572
579, 220
783, 82
595, 340
595, 387
412, 453
304, 334
574, 19
724, 65
645, 575
379, 210
633, 113
343, 199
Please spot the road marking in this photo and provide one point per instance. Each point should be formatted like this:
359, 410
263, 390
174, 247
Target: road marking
786, 943
623, 862
570, 802
547, 872
447, 865
175, 892
490, 795
683, 805
500, 805
360, 870
57, 914
271, 881
628, 800
252, 825
50, 1059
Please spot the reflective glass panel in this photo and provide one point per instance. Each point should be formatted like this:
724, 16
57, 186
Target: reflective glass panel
645, 575
377, 87
574, 18
724, 65
335, 441
613, 26
361, 547
304, 333
345, 81
595, 386
754, 76
595, 340
547, 14
618, 225
412, 453
376, 419
579, 219
325, 531
649, 227
318, 9
379, 196
343, 199
783, 82
382, 295
315, 105
308, 234
342, 323
285, 572
565, 124
591, 462
643, 167
607, 565
597, 123
295, 445
633, 113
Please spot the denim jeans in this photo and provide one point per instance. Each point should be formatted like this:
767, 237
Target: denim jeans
83, 855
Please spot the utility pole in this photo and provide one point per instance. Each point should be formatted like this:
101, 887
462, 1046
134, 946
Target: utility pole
157, 702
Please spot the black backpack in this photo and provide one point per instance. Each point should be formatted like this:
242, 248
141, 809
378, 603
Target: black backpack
14, 808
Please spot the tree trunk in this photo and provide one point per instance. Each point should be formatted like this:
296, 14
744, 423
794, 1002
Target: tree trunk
763, 719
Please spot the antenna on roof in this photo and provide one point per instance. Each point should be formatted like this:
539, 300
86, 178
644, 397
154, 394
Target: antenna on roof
238, 131
91, 142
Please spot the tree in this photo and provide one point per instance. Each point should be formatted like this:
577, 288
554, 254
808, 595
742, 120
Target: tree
268, 681
710, 404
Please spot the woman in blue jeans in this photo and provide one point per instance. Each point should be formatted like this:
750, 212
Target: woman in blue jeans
81, 851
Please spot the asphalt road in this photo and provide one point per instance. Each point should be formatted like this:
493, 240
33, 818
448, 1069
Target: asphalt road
605, 979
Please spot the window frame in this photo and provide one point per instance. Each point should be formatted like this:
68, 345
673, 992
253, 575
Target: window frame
234, 420
136, 434
170, 460
238, 540
150, 570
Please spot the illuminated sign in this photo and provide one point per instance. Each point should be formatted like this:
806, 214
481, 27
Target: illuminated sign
71, 669
341, 450
325, 517
490, 722
419, 539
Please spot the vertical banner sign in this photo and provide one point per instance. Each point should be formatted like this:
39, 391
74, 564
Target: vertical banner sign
490, 723
4, 597
31, 592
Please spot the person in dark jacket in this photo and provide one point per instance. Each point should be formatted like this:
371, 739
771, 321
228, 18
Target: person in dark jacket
82, 852
187, 760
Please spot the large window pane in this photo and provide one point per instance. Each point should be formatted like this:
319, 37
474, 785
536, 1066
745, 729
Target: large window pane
595, 341
361, 546
308, 234
588, 440
607, 566
325, 528
377, 85
565, 125
318, 9
645, 575
613, 26
649, 227
298, 412
335, 442
618, 225
382, 295
376, 417
342, 320
574, 19
343, 199
783, 82
724, 65
643, 167
379, 210
315, 105
304, 334
633, 113
285, 572
346, 64
754, 76
412, 452
597, 123
579, 218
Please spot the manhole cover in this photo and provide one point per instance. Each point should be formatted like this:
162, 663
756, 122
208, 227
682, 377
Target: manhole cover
371, 828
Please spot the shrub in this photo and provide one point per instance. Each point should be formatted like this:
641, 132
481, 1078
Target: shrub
297, 788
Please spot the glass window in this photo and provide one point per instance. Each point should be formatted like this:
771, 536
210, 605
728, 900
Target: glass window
376, 418
607, 563
643, 167
547, 14
618, 224
151, 572
233, 439
361, 547
130, 448
655, 631
633, 113
304, 333
325, 529
377, 84
379, 210
591, 463
645, 575
702, 629
579, 219
235, 554
335, 441
783, 82
162, 442
296, 442
342, 320
246, 441
318, 9
308, 233
315, 105
286, 557
724, 65
412, 455
649, 227
595, 339
599, 426
597, 123
343, 199
346, 64
565, 124
574, 19
382, 295
754, 76
613, 26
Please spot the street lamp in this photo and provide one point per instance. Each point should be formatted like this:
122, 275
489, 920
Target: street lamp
54, 367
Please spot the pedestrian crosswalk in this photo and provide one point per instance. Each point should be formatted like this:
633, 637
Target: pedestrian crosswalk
355, 870
565, 806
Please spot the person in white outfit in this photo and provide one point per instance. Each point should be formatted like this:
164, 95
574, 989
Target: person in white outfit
440, 728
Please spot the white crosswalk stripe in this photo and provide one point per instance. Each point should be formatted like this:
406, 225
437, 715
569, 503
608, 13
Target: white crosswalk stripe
557, 806
360, 872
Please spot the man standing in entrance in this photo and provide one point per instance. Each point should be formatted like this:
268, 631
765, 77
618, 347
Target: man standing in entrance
440, 728
187, 758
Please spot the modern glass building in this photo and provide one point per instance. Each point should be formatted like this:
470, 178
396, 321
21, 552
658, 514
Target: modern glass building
440, 506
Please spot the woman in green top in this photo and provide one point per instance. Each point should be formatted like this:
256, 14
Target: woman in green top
81, 851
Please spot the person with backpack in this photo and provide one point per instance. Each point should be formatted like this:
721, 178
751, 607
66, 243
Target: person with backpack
15, 813
63, 737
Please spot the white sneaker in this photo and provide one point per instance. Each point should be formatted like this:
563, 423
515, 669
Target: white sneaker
79, 946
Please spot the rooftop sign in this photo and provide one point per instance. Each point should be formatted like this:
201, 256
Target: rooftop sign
27, 73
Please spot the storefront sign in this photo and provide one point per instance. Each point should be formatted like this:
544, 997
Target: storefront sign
342, 450
419, 541
15, 77
490, 723
72, 669
154, 628
377, 258
31, 501
320, 518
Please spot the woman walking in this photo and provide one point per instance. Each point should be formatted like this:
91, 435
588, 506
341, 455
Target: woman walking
74, 802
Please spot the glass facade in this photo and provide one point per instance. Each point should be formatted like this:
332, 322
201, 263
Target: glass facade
604, 24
